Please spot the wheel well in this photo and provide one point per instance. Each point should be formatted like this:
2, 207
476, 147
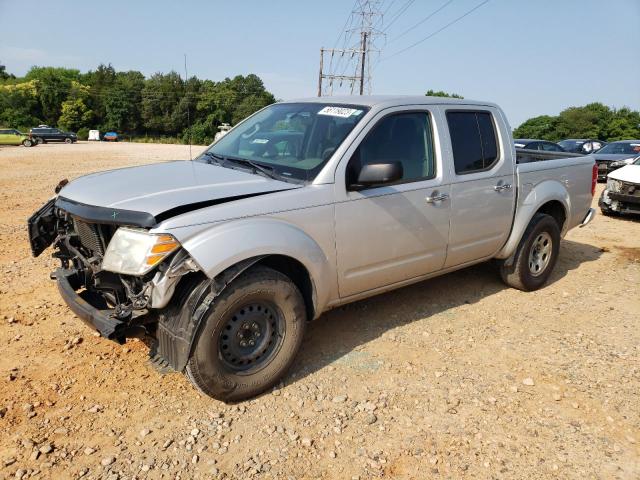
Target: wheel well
298, 274
556, 210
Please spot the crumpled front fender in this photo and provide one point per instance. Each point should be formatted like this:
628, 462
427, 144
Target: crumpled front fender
225, 244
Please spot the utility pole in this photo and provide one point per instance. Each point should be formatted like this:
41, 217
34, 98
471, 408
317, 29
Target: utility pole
331, 77
352, 62
363, 61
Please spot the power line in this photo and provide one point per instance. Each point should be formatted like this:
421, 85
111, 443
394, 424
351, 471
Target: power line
469, 12
446, 4
398, 14
353, 64
388, 7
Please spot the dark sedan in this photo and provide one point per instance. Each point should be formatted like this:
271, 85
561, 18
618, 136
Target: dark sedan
616, 155
533, 144
582, 145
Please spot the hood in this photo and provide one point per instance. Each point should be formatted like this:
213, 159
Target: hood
629, 174
611, 157
162, 188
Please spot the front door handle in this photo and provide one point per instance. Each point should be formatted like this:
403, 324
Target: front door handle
503, 187
437, 198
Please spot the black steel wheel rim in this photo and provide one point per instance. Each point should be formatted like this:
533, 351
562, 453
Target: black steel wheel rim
251, 336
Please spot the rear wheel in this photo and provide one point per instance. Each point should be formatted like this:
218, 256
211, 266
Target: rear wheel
40, 140
250, 336
536, 255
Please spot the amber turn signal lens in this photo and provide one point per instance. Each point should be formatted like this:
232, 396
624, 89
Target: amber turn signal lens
153, 259
164, 247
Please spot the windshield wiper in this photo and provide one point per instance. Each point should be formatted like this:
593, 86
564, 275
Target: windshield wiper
217, 158
266, 171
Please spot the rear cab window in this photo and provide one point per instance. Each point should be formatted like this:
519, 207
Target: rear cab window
473, 140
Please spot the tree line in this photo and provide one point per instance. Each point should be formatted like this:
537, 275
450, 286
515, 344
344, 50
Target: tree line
594, 120
127, 102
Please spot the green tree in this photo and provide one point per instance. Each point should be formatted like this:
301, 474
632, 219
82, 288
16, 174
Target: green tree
440, 93
122, 103
18, 102
160, 97
542, 127
594, 120
75, 113
54, 85
4, 75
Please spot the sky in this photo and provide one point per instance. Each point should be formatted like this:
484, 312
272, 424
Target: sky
532, 57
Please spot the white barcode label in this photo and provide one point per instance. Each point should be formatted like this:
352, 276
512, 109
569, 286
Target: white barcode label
339, 111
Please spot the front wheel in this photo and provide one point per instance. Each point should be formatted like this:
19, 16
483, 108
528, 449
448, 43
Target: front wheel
27, 142
536, 255
68, 140
250, 337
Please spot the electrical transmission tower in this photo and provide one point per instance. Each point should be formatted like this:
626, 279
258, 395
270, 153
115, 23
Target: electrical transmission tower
351, 65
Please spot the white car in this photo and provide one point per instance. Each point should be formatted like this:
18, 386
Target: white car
622, 194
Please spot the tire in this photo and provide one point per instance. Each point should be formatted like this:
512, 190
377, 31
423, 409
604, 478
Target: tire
40, 141
261, 306
535, 256
27, 143
68, 141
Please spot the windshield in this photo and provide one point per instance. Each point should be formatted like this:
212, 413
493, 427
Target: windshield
621, 149
637, 162
293, 140
571, 144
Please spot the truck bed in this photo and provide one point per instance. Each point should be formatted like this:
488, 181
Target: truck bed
568, 173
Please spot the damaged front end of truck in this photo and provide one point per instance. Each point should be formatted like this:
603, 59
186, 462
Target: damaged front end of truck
115, 274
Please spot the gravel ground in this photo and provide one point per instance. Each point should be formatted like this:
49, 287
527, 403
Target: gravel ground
456, 377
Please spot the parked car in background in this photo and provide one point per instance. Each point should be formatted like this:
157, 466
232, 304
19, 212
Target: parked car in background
533, 144
581, 145
222, 131
11, 136
222, 260
50, 134
616, 155
110, 137
622, 194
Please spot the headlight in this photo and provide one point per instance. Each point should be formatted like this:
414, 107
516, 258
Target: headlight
622, 163
135, 252
614, 185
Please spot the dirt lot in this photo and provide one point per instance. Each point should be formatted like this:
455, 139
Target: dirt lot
457, 377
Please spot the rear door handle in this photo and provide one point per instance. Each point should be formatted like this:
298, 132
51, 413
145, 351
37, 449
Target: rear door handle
503, 187
437, 198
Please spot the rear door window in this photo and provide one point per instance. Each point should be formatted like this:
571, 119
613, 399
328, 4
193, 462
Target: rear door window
473, 140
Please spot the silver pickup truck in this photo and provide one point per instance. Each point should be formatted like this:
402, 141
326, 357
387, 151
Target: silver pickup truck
304, 206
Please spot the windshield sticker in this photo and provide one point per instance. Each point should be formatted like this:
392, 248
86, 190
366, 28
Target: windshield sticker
339, 112
260, 140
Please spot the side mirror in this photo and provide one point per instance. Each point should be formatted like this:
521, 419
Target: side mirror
375, 174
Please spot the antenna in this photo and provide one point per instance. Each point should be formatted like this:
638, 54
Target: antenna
186, 81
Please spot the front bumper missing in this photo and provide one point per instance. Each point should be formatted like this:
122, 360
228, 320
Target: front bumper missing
92, 309
619, 202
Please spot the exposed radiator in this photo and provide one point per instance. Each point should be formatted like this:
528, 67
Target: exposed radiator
89, 236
